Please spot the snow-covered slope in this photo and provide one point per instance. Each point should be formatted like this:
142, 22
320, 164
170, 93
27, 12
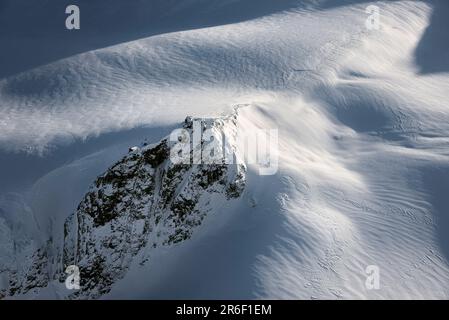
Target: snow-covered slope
363, 146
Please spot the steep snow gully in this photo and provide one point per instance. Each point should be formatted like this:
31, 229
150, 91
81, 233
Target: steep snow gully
362, 171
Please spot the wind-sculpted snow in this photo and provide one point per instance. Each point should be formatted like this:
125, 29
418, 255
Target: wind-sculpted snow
363, 175
148, 81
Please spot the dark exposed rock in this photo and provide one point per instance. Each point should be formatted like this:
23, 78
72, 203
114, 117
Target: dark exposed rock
143, 196
140, 203
155, 156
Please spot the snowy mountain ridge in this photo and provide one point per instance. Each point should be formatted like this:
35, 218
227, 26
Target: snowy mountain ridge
142, 202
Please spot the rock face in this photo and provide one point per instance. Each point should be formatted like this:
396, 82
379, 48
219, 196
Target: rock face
145, 201
22, 260
142, 202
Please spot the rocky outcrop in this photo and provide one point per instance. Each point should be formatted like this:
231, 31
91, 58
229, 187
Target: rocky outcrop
142, 202
145, 201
